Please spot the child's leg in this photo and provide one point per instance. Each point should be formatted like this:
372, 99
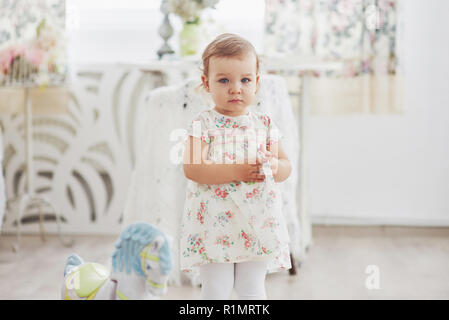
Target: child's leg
249, 280
217, 281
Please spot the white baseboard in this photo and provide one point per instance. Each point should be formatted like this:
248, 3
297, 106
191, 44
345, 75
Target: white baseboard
380, 221
105, 230
51, 229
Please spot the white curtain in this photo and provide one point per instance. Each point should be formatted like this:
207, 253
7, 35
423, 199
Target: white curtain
362, 34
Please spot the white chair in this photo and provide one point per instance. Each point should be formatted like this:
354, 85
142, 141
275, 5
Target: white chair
157, 189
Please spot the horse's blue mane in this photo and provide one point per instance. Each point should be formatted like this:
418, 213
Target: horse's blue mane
131, 242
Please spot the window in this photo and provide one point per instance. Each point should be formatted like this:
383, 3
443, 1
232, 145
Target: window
108, 31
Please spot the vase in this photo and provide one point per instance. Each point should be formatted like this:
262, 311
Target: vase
165, 31
190, 39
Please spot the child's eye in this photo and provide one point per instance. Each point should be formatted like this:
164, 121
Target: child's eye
223, 80
246, 80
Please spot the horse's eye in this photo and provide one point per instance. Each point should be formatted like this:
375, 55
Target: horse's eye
148, 267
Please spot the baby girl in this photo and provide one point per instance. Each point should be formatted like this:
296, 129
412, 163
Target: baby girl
232, 226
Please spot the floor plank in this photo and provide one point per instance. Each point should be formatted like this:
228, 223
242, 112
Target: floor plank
413, 263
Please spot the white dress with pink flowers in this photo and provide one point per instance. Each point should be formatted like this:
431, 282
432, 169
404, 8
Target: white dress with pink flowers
234, 222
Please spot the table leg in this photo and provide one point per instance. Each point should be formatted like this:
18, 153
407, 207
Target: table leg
305, 223
29, 197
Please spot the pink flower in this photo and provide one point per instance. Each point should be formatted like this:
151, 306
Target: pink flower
266, 120
220, 193
200, 217
6, 59
34, 55
18, 50
8, 55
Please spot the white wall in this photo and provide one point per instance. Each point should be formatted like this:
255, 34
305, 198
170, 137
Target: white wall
391, 169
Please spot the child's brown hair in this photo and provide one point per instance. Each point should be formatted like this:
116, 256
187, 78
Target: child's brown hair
227, 45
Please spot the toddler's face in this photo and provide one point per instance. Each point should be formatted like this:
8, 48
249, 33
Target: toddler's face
232, 82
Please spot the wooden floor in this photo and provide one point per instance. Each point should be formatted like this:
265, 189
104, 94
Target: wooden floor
413, 263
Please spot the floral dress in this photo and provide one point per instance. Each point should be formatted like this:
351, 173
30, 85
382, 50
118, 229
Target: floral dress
239, 221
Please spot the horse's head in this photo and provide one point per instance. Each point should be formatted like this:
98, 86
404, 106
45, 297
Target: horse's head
144, 249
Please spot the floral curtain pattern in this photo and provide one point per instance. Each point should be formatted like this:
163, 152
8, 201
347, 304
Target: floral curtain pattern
362, 34
19, 18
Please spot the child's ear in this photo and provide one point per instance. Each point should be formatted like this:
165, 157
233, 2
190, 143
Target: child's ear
257, 83
205, 81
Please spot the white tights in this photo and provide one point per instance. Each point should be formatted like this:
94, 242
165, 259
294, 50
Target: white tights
247, 278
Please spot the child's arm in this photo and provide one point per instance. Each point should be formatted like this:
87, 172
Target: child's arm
280, 164
201, 170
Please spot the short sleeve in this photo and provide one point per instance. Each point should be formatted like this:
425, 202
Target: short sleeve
198, 128
273, 133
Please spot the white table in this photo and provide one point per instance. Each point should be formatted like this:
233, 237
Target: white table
30, 197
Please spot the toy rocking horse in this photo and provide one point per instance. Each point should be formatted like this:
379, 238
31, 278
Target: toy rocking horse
141, 264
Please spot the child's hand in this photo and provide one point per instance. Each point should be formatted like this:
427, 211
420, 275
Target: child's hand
249, 172
274, 162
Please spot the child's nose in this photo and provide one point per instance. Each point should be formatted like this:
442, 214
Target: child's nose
235, 87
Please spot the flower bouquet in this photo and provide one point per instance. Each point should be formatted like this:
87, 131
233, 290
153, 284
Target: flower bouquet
190, 10
40, 61
190, 13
